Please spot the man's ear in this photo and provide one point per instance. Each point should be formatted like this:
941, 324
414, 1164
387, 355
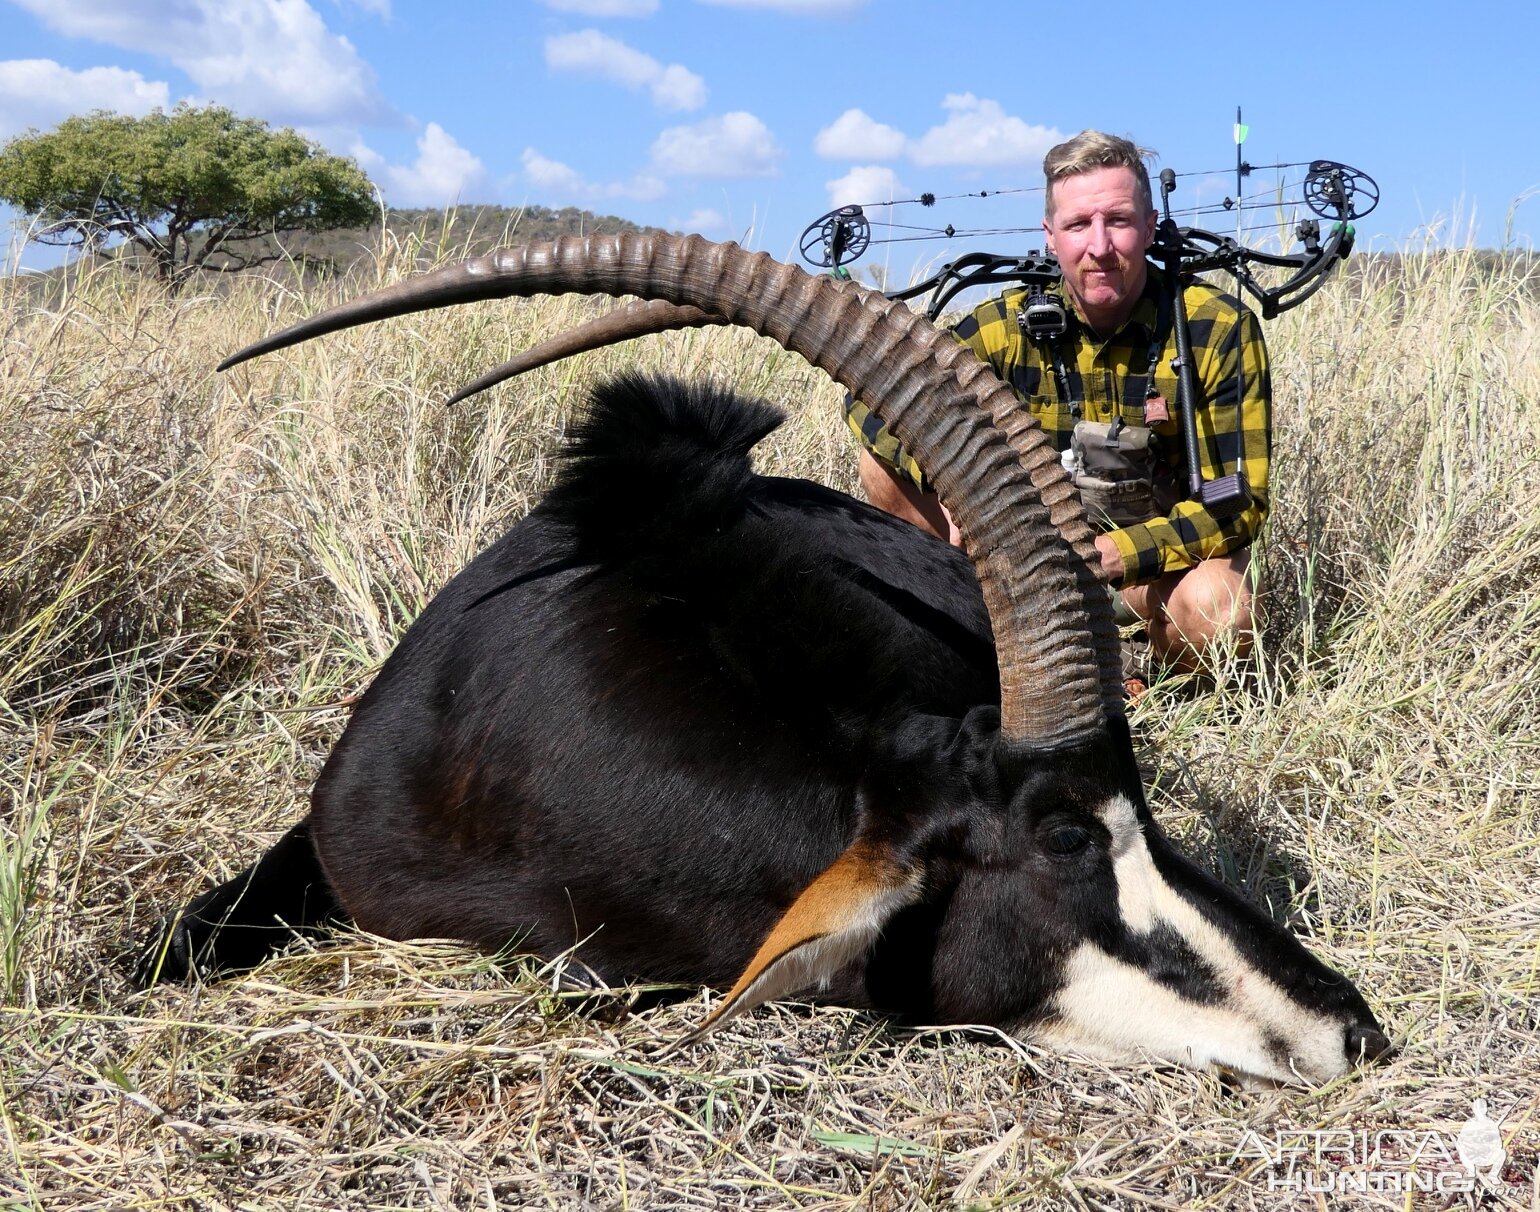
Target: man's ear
1048, 237
835, 919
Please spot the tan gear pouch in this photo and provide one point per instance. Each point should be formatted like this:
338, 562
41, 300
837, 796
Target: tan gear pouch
1114, 471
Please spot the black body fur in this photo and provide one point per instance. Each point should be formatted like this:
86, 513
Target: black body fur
646, 716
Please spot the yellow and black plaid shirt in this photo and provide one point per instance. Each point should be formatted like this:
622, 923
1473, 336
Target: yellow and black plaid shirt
1107, 378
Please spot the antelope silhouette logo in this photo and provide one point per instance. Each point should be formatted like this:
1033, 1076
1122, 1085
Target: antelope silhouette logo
1480, 1144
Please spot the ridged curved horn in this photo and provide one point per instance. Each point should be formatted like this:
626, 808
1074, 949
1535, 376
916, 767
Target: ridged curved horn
637, 318
1019, 516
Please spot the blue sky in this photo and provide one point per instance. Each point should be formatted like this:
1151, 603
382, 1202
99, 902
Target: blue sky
746, 119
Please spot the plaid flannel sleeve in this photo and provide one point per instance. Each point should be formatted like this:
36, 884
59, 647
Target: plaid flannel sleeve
876, 437
987, 331
1234, 414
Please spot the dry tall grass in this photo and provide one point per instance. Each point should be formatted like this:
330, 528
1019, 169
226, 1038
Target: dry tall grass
198, 571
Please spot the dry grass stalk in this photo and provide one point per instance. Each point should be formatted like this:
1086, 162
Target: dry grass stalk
198, 572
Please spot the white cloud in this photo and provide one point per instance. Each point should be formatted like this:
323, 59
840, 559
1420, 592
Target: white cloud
854, 135
735, 145
273, 57
867, 184
441, 175
562, 182
672, 87
128, 24
41, 93
604, 8
345, 141
979, 133
707, 222
590, 51
816, 8
679, 88
552, 174
643, 187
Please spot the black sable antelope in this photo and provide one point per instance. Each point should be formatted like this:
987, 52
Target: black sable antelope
746, 731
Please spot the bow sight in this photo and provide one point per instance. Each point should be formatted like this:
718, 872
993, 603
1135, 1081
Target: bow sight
1334, 192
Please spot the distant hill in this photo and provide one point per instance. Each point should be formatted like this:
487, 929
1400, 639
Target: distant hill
429, 236
463, 231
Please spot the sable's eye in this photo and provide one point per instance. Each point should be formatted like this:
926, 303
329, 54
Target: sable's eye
1067, 839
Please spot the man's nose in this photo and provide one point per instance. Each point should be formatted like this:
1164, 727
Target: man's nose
1099, 243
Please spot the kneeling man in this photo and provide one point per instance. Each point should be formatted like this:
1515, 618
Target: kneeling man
1105, 392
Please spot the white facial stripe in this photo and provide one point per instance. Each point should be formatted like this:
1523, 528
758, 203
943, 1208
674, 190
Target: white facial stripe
1112, 1009
1231, 1033
1139, 883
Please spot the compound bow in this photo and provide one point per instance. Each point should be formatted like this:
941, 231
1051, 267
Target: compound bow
1334, 192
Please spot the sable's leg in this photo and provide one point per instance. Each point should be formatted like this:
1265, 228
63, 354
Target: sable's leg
240, 923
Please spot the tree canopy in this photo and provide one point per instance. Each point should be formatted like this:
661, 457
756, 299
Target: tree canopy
181, 186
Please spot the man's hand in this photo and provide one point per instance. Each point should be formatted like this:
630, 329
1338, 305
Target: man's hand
1112, 562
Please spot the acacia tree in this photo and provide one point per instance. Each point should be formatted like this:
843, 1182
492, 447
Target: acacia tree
181, 186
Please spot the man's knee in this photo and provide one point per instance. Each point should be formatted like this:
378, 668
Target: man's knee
880, 483
893, 493
1200, 612
1211, 603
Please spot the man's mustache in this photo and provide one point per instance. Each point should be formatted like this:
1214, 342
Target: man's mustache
1121, 264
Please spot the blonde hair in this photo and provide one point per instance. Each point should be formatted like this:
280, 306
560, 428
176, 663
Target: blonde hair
1096, 149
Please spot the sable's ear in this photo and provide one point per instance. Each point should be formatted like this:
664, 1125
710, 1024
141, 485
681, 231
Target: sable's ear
832, 922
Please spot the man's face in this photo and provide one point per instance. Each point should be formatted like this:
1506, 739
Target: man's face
1099, 231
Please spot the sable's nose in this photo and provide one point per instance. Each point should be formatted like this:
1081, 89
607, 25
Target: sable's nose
1365, 1044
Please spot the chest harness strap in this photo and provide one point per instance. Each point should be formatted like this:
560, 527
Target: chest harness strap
1064, 389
